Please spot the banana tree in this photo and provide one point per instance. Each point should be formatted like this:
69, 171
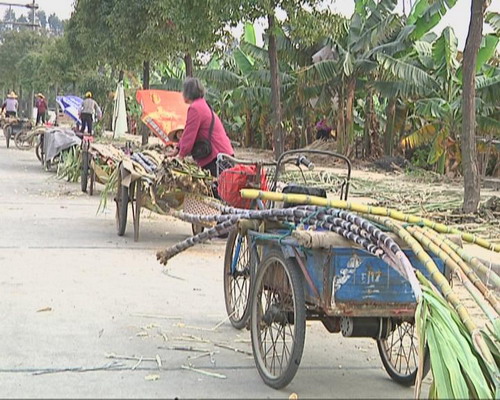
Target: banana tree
433, 72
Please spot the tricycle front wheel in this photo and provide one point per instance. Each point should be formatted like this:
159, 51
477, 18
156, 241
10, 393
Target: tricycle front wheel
237, 275
278, 319
399, 353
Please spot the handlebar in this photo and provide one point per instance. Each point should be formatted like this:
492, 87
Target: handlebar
305, 162
301, 159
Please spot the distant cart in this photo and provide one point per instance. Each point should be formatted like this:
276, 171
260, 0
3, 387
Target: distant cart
98, 163
140, 187
12, 126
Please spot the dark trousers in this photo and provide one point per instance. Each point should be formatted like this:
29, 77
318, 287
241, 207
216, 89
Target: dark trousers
212, 167
10, 114
322, 134
40, 117
86, 122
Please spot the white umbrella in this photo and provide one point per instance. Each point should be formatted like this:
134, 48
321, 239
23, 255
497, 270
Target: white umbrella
119, 112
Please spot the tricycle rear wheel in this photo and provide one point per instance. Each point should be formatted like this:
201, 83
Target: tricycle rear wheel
399, 353
237, 278
278, 319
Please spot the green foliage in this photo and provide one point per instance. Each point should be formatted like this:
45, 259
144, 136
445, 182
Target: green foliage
458, 369
69, 166
426, 14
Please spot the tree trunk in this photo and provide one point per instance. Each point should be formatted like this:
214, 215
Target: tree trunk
341, 139
278, 142
145, 75
145, 85
188, 62
121, 74
248, 126
368, 124
472, 184
349, 114
389, 127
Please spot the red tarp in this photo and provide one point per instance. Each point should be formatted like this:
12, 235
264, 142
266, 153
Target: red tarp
162, 111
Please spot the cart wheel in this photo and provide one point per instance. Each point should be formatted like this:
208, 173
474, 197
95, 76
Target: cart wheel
278, 319
8, 134
237, 278
399, 353
85, 170
121, 208
38, 152
137, 213
21, 141
196, 229
92, 182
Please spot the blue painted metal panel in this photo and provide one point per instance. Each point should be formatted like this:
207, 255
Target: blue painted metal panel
361, 278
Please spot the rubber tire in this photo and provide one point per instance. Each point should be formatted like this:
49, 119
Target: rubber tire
295, 280
238, 323
20, 141
122, 201
8, 134
404, 380
84, 176
92, 182
38, 151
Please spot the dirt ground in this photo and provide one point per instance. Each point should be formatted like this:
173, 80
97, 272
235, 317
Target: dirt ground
87, 314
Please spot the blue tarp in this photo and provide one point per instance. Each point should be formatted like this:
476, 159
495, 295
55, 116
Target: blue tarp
71, 106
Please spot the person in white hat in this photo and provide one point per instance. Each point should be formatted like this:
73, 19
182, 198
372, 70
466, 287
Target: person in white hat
10, 105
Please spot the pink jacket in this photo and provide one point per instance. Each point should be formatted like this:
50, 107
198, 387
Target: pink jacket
197, 126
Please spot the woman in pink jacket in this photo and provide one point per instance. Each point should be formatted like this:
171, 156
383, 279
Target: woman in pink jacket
199, 119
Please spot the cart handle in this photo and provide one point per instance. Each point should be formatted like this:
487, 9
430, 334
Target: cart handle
223, 156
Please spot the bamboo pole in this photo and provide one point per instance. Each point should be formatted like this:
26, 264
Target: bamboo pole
367, 209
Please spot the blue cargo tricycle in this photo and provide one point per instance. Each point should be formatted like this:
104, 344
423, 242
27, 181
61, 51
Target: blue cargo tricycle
276, 277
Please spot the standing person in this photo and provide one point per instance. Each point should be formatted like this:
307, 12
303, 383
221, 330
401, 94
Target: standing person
88, 109
202, 126
10, 105
41, 108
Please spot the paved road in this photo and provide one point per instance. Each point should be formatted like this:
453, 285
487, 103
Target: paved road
72, 292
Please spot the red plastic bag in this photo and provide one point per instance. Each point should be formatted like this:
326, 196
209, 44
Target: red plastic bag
232, 180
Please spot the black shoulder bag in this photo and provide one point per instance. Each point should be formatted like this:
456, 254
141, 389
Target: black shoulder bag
203, 148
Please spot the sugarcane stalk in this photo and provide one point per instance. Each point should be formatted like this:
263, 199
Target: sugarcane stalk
453, 265
475, 263
438, 278
468, 271
366, 209
225, 227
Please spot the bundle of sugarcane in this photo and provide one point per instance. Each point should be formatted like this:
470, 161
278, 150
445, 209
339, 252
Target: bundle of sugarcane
174, 175
465, 360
